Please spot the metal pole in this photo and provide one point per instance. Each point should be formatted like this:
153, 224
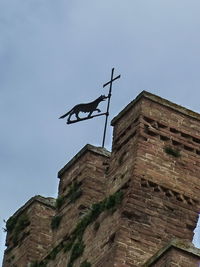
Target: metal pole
108, 106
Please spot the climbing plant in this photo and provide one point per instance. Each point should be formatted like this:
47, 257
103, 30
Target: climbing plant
15, 226
73, 194
75, 191
74, 242
85, 264
56, 222
171, 151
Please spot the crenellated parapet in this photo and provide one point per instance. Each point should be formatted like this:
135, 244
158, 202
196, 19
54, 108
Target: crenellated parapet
122, 208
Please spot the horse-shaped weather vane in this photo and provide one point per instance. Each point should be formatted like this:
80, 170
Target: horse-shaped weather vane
91, 107
86, 108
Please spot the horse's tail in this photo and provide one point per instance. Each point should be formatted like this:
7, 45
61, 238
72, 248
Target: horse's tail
63, 116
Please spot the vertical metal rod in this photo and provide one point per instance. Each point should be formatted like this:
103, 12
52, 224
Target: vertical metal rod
108, 106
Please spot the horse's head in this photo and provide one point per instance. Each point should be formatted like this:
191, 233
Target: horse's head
102, 98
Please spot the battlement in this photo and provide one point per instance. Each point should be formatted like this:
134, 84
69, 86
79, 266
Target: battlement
48, 201
29, 235
158, 100
122, 208
87, 148
175, 251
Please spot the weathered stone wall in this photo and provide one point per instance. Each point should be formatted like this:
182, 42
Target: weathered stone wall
145, 193
87, 176
29, 232
177, 258
162, 201
184, 259
177, 253
99, 244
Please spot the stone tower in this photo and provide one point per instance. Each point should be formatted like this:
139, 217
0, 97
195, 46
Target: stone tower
135, 206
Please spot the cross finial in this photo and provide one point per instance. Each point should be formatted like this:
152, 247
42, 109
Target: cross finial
111, 80
109, 97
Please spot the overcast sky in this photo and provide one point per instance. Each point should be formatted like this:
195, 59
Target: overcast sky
55, 54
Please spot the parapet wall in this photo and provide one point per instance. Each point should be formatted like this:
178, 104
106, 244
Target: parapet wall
175, 253
121, 208
29, 235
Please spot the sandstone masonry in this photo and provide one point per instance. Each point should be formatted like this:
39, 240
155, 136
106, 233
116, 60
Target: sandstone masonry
136, 206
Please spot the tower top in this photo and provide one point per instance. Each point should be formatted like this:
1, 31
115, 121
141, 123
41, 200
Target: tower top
159, 100
47, 201
176, 249
97, 150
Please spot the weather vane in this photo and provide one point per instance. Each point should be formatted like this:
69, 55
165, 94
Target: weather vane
91, 107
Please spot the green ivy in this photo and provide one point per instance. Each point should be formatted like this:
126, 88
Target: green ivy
74, 192
35, 264
112, 201
60, 201
173, 152
74, 243
15, 225
77, 251
85, 264
38, 264
54, 253
22, 223
68, 245
96, 226
96, 209
55, 222
10, 224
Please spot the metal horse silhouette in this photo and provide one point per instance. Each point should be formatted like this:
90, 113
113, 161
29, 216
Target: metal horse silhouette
86, 108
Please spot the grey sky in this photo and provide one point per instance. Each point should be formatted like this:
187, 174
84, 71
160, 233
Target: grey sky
55, 54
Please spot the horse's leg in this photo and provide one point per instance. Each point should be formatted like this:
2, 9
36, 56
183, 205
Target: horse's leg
69, 117
89, 115
76, 113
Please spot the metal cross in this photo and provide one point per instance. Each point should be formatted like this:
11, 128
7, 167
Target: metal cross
108, 106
